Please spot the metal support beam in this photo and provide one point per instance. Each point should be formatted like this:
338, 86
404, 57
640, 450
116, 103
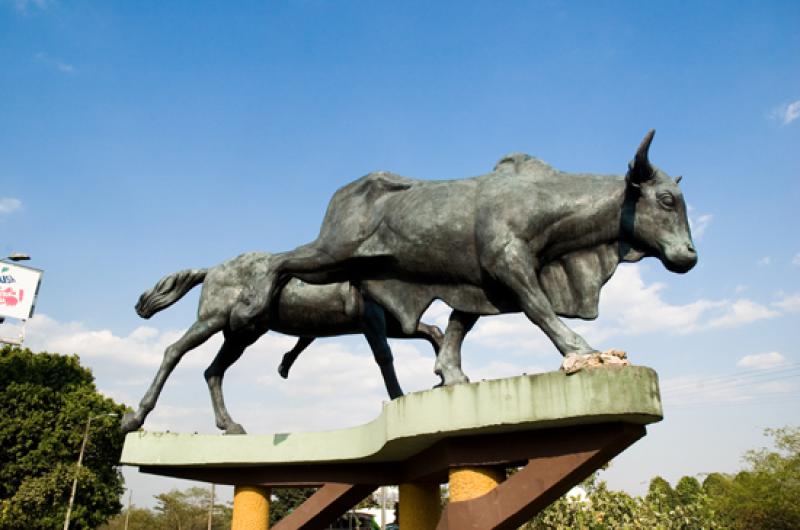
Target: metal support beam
322, 508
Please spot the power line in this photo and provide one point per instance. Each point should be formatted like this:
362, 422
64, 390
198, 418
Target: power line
732, 378
729, 385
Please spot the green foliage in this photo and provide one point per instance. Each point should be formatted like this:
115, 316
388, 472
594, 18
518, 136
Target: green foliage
661, 509
661, 495
687, 491
183, 510
45, 401
765, 495
284, 500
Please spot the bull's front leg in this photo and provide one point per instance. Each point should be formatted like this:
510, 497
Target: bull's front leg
516, 269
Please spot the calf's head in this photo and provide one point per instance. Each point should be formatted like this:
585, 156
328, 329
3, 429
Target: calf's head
654, 216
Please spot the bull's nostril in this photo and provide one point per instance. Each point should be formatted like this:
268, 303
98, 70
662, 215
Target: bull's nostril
691, 249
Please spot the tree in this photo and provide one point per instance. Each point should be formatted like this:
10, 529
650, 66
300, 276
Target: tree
661, 495
687, 490
603, 509
766, 494
284, 500
175, 510
45, 402
137, 519
188, 510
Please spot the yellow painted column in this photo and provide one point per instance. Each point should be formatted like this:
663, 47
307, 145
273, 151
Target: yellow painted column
470, 482
420, 505
250, 508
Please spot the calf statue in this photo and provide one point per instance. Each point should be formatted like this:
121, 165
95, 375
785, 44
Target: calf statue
306, 311
525, 237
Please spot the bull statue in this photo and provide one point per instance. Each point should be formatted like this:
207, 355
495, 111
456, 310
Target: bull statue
305, 311
525, 237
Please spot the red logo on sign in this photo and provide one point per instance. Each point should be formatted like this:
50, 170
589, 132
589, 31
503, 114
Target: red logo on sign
10, 296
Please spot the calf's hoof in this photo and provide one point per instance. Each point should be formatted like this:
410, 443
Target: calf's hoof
283, 371
129, 423
235, 428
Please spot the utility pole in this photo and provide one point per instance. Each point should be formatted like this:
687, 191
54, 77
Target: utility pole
211, 508
78, 467
128, 513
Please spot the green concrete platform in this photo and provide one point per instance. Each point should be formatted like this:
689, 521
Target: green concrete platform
415, 422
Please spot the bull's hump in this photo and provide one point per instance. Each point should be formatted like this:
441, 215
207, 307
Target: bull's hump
518, 164
386, 181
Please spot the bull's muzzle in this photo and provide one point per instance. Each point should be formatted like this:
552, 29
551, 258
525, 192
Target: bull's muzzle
681, 259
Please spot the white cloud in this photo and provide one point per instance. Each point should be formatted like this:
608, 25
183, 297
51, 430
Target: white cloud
144, 346
763, 262
796, 260
55, 63
509, 331
789, 303
787, 113
741, 312
699, 223
9, 204
637, 308
760, 361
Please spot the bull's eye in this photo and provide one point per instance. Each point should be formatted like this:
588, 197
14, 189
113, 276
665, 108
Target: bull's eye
666, 200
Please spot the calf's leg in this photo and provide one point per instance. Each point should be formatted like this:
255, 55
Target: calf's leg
230, 351
196, 335
291, 356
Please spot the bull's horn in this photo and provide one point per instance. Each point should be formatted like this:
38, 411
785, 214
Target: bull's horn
678, 179
640, 170
641, 153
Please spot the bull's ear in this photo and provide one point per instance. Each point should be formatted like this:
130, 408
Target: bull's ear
640, 169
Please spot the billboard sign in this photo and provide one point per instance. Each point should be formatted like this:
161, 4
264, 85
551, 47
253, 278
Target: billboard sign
18, 289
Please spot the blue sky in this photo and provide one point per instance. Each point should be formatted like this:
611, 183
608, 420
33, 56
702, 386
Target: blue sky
137, 139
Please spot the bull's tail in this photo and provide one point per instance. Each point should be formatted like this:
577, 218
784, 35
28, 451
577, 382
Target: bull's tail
168, 290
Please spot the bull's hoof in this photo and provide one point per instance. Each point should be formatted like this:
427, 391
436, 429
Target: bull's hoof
452, 377
129, 423
235, 428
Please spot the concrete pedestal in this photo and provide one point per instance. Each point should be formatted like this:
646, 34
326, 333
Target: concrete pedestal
559, 427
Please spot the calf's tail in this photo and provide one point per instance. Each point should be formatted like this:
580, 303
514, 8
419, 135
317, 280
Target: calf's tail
168, 290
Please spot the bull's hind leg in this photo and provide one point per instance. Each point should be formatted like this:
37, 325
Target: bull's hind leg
196, 335
291, 356
424, 331
232, 348
374, 323
448, 362
255, 300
